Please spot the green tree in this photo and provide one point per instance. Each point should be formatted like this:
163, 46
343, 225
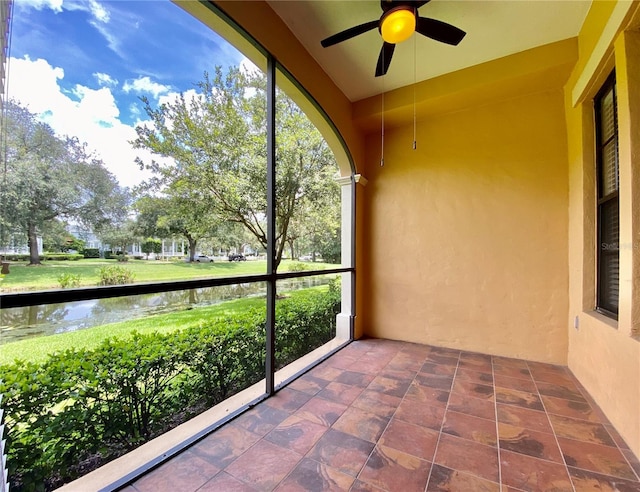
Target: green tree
178, 214
119, 236
213, 149
52, 178
151, 245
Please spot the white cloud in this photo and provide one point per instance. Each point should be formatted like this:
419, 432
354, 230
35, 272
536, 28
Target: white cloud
145, 85
248, 67
104, 79
55, 5
91, 115
98, 12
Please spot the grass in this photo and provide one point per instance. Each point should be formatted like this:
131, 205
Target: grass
45, 276
37, 349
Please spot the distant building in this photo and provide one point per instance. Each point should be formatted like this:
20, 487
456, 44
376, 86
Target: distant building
5, 19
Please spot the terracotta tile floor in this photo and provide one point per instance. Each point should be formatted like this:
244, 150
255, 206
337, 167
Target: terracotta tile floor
385, 415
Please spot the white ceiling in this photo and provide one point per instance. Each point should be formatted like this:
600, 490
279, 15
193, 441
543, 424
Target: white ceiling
495, 28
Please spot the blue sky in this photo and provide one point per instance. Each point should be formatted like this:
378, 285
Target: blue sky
82, 65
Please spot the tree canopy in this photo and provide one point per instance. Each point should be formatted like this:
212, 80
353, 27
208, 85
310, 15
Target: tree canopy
211, 148
50, 178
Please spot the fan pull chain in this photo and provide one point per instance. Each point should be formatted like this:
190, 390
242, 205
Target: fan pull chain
415, 139
382, 132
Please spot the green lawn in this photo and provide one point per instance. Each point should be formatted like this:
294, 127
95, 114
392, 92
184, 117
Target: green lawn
37, 349
23, 277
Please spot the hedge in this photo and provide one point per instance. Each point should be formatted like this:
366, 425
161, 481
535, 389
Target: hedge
91, 253
89, 406
45, 256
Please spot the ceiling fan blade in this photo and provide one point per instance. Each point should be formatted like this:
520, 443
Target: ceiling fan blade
349, 33
384, 59
440, 31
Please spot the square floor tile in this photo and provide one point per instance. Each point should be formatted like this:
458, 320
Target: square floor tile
309, 384
224, 482
570, 408
518, 384
468, 456
470, 427
224, 445
341, 451
341, 393
586, 481
530, 474
434, 381
476, 390
426, 394
411, 439
519, 398
526, 441
512, 372
296, 434
444, 479
362, 424
390, 469
478, 407
310, 475
325, 372
475, 365
264, 465
288, 399
354, 379
474, 376
321, 411
596, 457
377, 403
186, 472
260, 419
389, 386
437, 369
580, 430
523, 417
568, 391
420, 413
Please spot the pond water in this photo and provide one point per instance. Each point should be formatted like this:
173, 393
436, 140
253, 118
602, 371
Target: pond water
37, 321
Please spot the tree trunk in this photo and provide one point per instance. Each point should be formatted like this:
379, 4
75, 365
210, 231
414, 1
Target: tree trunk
292, 250
192, 247
34, 259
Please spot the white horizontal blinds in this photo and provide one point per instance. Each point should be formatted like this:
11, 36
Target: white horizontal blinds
608, 204
609, 142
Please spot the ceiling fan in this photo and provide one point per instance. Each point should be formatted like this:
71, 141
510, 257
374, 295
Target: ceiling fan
398, 22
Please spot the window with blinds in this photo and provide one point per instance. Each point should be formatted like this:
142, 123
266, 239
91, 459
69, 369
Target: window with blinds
608, 205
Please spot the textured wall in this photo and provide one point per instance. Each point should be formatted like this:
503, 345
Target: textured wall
467, 235
604, 353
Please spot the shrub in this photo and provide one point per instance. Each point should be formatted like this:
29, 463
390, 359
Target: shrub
16, 257
62, 256
91, 253
68, 280
298, 266
108, 254
115, 275
45, 256
105, 401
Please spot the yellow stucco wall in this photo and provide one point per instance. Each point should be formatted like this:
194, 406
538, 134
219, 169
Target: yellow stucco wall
603, 353
467, 235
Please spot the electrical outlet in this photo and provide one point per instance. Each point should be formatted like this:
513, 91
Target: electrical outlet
576, 322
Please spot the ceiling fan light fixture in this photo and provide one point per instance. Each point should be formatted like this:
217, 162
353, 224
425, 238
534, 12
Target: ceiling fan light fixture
398, 24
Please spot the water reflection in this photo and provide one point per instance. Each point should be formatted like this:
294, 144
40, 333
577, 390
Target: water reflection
36, 321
